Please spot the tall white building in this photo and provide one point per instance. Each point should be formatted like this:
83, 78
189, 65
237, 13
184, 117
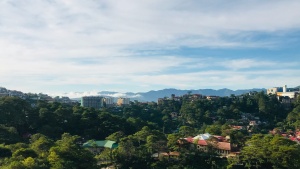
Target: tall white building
109, 101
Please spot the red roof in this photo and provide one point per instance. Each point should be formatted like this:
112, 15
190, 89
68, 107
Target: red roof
224, 146
294, 139
237, 127
189, 139
202, 142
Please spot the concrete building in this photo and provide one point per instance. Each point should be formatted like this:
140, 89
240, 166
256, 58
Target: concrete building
92, 101
123, 101
283, 92
273, 90
109, 101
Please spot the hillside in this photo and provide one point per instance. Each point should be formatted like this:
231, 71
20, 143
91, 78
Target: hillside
154, 95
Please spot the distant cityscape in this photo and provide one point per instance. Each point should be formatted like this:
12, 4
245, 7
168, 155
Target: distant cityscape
284, 94
96, 102
226, 126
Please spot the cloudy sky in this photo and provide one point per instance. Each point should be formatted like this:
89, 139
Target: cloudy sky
54, 46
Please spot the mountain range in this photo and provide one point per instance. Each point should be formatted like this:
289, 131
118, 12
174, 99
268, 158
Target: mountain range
154, 95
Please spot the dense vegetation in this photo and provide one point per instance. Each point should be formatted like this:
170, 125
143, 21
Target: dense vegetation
49, 135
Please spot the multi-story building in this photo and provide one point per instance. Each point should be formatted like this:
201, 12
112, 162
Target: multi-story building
92, 101
283, 92
123, 101
209, 143
109, 101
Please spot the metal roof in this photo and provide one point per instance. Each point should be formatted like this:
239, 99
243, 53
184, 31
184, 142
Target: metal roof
100, 143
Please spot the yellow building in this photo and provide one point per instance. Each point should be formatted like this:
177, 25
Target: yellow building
123, 101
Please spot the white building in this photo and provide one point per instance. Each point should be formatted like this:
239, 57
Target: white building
283, 92
109, 101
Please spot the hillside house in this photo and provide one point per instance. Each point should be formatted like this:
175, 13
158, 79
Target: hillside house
97, 147
208, 143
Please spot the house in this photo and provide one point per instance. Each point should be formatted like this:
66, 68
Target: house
169, 155
97, 147
211, 97
220, 148
208, 143
238, 127
295, 139
253, 123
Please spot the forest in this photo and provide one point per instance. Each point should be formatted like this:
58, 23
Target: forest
50, 135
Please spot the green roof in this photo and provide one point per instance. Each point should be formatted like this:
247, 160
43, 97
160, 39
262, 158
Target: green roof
100, 143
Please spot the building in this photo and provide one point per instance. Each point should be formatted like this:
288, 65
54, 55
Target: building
123, 101
211, 97
209, 143
15, 93
98, 146
92, 101
274, 90
283, 92
109, 101
174, 155
4, 92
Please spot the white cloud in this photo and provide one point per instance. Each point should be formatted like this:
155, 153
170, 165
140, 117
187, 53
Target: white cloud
68, 42
95, 93
236, 64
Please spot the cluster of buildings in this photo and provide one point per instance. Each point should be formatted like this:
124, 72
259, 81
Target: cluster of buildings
189, 97
32, 98
210, 143
292, 135
5, 92
284, 92
98, 102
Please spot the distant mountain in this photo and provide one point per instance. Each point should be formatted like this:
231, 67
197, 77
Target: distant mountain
154, 95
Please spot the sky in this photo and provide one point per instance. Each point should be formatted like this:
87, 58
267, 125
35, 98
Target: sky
56, 46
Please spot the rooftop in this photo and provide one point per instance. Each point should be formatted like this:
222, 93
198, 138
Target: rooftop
100, 143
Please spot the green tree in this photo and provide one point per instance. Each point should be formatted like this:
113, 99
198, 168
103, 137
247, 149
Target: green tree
172, 141
267, 151
41, 144
186, 131
67, 154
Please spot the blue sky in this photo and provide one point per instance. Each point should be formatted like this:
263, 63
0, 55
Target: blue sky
58, 46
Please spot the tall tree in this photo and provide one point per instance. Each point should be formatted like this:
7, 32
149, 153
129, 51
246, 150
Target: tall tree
68, 154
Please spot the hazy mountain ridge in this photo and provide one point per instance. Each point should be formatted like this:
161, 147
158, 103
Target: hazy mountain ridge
154, 95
